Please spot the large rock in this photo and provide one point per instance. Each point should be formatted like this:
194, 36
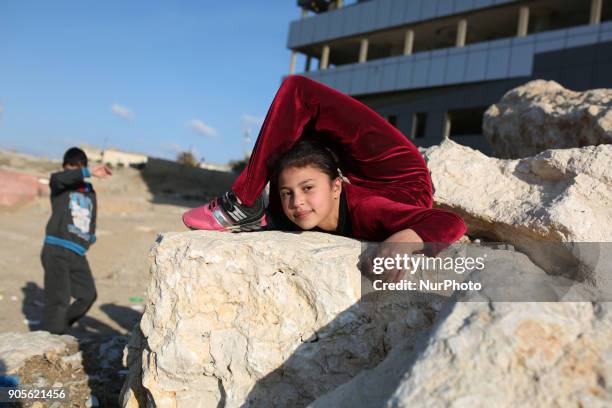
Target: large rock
557, 196
17, 348
224, 311
543, 115
43, 360
280, 319
501, 353
271, 318
18, 188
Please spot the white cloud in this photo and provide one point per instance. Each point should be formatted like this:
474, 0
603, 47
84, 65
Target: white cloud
122, 111
1, 109
202, 128
251, 121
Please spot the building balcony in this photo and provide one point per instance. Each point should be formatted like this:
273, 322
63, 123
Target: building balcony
369, 16
484, 61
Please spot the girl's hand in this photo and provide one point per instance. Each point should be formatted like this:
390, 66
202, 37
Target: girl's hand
391, 251
101, 170
402, 242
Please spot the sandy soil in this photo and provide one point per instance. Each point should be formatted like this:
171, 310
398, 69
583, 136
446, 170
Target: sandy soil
128, 224
130, 217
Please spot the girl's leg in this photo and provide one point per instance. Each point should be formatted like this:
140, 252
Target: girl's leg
378, 156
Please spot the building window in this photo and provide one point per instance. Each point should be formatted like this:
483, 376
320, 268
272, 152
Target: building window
466, 128
419, 121
466, 122
606, 11
549, 15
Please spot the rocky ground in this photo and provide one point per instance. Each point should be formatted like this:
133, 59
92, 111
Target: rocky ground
284, 320
129, 221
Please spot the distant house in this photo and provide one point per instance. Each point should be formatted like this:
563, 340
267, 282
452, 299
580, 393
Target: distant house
117, 158
94, 154
215, 166
114, 157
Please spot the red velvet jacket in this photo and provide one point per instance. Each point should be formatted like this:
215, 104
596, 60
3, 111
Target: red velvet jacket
375, 218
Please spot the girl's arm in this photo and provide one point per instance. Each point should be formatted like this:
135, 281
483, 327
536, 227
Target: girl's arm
407, 236
418, 229
379, 219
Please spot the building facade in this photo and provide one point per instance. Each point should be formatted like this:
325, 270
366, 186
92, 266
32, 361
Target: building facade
432, 67
114, 157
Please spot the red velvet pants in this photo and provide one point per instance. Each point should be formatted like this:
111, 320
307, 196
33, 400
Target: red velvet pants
376, 154
389, 177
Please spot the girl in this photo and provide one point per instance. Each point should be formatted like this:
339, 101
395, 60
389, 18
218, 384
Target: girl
388, 196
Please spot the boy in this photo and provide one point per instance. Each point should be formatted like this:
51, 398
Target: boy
69, 233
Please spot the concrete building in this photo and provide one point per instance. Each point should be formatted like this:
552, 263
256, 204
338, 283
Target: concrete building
114, 157
432, 67
215, 166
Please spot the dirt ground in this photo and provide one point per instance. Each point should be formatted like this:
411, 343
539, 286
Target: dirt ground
132, 211
128, 224
129, 219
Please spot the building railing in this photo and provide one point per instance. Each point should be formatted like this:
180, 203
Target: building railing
385, 8
370, 16
491, 60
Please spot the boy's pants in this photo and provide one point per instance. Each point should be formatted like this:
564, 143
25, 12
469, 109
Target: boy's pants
67, 275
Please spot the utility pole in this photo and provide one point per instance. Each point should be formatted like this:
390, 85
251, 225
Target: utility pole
247, 141
104, 147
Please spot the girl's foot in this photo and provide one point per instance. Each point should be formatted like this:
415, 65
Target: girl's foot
225, 213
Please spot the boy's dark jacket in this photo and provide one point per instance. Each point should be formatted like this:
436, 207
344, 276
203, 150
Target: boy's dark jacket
73, 211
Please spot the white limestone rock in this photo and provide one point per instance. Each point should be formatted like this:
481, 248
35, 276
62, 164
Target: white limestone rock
495, 353
272, 319
557, 196
17, 348
278, 321
543, 115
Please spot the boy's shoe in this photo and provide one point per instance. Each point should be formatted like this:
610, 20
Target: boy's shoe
225, 213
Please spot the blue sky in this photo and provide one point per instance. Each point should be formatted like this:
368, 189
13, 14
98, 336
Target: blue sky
152, 76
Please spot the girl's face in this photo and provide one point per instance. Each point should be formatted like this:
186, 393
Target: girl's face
309, 198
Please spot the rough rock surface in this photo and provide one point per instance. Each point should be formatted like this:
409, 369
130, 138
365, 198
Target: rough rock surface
556, 196
515, 354
275, 321
17, 348
279, 321
40, 359
543, 115
17, 188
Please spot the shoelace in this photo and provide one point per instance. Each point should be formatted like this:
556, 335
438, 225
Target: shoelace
213, 204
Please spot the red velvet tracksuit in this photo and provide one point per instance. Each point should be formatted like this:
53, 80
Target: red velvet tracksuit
390, 186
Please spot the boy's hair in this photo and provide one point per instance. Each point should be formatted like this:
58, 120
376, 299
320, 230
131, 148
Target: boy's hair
309, 153
75, 157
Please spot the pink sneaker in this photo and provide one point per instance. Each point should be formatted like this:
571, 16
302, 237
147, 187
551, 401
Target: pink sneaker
225, 213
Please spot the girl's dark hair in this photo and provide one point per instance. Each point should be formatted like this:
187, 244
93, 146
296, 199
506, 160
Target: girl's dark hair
75, 156
309, 153
306, 152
